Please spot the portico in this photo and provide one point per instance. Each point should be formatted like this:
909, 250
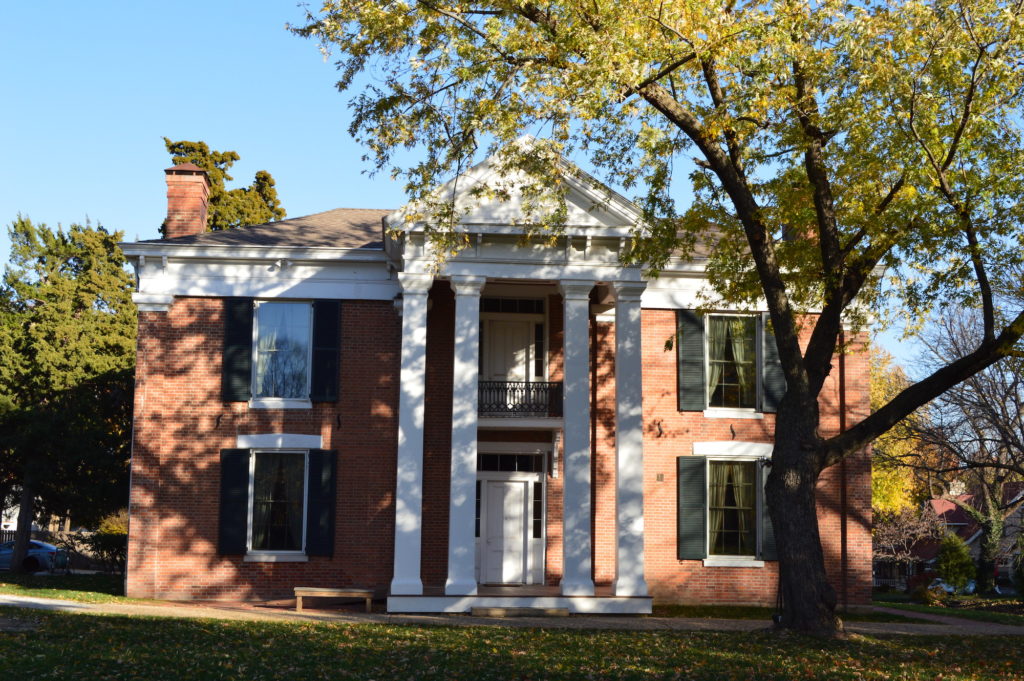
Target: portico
498, 502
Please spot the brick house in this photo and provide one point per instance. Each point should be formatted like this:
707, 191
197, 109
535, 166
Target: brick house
318, 405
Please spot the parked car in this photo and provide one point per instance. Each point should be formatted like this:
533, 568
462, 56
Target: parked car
950, 589
41, 556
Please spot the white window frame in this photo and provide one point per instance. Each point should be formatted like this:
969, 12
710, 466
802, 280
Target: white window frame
485, 322
756, 452
755, 412
262, 556
281, 402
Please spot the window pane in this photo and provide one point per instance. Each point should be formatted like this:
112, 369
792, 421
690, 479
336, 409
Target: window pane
732, 362
282, 350
278, 491
732, 529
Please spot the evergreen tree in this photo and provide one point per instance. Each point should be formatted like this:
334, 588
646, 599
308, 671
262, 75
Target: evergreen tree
954, 563
67, 325
229, 208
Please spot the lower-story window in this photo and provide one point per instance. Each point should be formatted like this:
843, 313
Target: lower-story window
277, 504
732, 512
277, 519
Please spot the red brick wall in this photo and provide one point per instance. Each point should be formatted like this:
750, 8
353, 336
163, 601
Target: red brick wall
181, 425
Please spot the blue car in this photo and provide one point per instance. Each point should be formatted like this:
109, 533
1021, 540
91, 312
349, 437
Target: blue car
41, 556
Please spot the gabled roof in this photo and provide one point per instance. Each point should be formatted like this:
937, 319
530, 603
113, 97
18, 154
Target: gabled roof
592, 207
353, 228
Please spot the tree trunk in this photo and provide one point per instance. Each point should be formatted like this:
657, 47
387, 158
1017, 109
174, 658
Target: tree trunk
809, 600
989, 546
26, 514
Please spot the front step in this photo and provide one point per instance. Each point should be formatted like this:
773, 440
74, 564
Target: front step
519, 612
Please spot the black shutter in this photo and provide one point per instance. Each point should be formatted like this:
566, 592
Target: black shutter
690, 353
320, 494
236, 377
692, 508
767, 540
773, 381
233, 538
326, 350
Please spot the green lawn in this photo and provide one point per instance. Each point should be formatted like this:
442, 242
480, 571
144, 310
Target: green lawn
87, 588
750, 612
72, 647
963, 612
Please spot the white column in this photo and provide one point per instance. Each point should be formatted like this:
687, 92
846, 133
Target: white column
576, 535
409, 487
629, 442
462, 499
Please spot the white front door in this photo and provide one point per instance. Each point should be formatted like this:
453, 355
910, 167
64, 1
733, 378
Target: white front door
505, 532
507, 350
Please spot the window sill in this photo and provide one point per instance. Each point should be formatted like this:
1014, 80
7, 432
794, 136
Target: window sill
733, 561
722, 413
276, 558
279, 403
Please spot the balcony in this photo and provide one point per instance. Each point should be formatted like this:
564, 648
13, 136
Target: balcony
512, 399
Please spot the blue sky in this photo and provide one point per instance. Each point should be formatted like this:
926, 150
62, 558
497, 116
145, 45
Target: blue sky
90, 89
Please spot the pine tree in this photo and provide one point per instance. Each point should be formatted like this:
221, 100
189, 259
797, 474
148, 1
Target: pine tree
229, 208
67, 326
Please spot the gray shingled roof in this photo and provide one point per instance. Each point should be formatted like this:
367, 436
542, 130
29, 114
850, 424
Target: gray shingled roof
338, 228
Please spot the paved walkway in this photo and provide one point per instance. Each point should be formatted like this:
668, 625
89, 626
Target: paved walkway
943, 626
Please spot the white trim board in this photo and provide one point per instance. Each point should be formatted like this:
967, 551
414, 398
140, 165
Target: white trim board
279, 441
730, 448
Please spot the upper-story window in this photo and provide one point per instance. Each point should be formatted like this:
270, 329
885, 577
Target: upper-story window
281, 354
732, 361
282, 348
727, 364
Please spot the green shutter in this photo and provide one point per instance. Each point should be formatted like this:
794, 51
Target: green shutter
766, 541
692, 507
236, 372
233, 538
690, 353
773, 381
320, 498
326, 350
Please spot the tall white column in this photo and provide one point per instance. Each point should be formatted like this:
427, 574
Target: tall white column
629, 442
577, 577
462, 499
409, 487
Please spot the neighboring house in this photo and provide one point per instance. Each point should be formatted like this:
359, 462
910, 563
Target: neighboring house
957, 520
318, 405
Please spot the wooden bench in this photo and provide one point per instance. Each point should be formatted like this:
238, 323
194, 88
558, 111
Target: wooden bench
316, 592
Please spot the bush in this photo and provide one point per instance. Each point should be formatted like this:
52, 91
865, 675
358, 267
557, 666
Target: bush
954, 562
928, 596
109, 543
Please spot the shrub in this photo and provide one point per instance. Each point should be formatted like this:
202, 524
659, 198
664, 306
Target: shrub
928, 596
109, 543
954, 562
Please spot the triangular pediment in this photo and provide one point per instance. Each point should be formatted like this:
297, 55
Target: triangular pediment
488, 200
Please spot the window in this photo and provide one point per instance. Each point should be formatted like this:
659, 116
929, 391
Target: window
281, 360
283, 354
732, 362
722, 518
278, 501
277, 504
731, 508
727, 362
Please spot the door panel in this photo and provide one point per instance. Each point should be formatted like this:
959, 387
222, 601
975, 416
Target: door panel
507, 351
505, 533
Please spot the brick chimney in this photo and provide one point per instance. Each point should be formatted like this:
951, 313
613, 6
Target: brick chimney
188, 191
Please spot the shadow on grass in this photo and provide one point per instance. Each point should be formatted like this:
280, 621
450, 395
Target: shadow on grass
97, 588
749, 612
88, 647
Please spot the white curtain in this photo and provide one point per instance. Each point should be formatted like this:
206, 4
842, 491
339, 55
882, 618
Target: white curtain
282, 350
741, 334
718, 480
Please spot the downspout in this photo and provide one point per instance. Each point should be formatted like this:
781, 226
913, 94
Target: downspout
844, 559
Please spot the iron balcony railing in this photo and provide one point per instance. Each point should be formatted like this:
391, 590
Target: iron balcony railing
519, 398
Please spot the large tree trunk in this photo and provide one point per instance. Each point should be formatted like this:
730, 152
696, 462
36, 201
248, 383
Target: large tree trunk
809, 600
989, 546
26, 514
